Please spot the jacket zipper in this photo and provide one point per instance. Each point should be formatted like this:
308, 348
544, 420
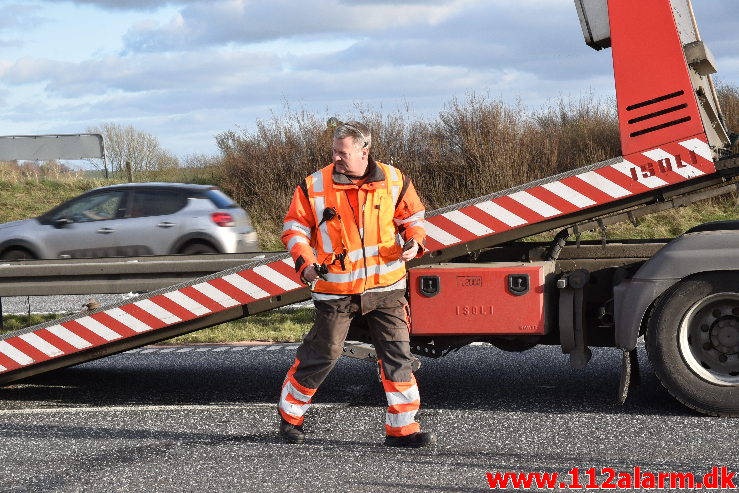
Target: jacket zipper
361, 235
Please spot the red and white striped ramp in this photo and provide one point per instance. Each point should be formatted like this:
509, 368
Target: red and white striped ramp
260, 286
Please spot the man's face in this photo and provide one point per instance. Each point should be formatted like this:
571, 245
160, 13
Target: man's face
349, 158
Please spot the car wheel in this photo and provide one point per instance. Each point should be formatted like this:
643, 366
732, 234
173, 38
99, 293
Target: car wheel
17, 254
693, 343
197, 249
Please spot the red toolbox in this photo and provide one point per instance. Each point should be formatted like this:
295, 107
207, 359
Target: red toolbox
497, 298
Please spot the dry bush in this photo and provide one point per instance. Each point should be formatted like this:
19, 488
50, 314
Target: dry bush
260, 170
729, 100
475, 146
571, 134
20, 171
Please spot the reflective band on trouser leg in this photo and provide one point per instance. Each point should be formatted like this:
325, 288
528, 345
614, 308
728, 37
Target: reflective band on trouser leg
403, 402
294, 399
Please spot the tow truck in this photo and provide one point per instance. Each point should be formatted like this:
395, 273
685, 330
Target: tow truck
479, 283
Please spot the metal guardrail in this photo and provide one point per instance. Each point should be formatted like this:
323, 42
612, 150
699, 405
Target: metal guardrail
144, 274
111, 275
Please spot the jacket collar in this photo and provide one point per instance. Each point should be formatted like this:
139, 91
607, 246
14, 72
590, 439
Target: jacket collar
374, 174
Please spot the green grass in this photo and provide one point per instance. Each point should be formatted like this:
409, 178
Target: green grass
16, 322
287, 325
27, 199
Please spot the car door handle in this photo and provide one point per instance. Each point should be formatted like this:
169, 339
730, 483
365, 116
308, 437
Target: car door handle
165, 224
105, 231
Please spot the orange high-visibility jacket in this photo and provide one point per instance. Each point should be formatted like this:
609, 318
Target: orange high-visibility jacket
321, 227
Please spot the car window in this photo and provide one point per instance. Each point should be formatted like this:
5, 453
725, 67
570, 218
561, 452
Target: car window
156, 202
220, 199
93, 207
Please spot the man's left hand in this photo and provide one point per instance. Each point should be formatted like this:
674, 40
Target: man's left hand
409, 253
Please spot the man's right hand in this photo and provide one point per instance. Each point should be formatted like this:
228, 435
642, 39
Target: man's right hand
310, 274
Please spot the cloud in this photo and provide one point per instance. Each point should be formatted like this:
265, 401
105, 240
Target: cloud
133, 5
217, 78
148, 73
243, 21
479, 38
18, 16
215, 65
535, 36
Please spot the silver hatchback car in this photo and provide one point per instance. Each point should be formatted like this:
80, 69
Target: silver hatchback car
133, 219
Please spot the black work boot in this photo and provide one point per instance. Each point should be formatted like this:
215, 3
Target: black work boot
291, 433
414, 440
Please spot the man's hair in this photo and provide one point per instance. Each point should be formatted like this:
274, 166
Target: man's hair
360, 134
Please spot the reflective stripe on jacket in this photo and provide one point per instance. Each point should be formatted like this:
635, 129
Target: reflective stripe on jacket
321, 227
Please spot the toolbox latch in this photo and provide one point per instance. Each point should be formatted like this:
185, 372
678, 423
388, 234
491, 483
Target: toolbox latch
518, 284
429, 285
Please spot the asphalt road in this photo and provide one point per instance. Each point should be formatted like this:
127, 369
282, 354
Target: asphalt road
185, 419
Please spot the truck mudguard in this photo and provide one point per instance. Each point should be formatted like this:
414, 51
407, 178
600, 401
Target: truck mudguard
710, 247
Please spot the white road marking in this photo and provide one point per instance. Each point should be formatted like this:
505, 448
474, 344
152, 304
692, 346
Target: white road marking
183, 407
187, 349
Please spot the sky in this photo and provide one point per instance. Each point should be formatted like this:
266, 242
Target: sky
187, 70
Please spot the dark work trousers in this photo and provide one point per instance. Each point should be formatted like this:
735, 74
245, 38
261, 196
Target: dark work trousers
386, 315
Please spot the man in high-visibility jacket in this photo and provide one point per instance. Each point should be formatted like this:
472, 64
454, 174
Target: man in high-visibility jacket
350, 229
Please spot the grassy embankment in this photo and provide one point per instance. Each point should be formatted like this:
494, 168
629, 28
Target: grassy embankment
474, 147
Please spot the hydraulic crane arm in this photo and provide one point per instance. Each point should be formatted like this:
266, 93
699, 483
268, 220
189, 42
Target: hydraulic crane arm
662, 70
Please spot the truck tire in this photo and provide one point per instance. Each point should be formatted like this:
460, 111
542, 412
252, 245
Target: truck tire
693, 342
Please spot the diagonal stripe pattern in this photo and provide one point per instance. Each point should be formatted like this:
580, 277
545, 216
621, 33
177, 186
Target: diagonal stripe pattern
563, 194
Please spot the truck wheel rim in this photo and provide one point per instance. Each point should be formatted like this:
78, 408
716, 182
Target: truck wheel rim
708, 338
